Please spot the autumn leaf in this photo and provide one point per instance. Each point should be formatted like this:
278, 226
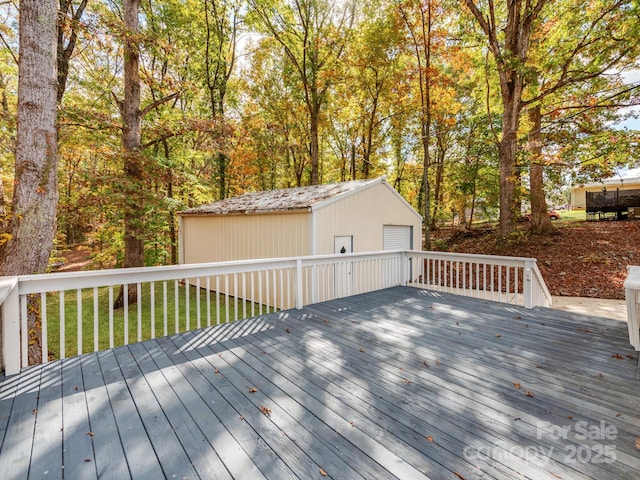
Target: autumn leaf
406, 381
216, 371
265, 410
498, 335
323, 473
617, 356
287, 330
91, 434
34, 411
429, 438
253, 390
361, 350
516, 384
529, 393
425, 363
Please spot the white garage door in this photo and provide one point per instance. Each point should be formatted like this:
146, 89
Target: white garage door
398, 237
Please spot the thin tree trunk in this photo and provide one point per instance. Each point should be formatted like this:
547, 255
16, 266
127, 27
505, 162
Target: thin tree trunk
131, 146
540, 221
33, 211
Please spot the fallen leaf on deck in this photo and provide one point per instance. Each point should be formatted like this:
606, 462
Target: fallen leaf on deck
570, 417
34, 411
323, 473
216, 371
638, 443
498, 335
87, 460
325, 320
263, 352
287, 330
406, 381
361, 350
91, 434
617, 356
425, 363
430, 438
265, 410
437, 363
459, 476
515, 384
253, 390
529, 393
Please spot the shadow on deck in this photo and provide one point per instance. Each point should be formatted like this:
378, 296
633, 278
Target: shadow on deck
396, 384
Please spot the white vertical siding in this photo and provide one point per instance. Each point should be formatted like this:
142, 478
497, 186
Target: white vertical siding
363, 215
244, 237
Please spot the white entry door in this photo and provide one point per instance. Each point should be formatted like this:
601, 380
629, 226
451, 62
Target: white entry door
343, 279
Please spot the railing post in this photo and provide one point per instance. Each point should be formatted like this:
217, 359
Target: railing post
298, 283
404, 268
11, 327
527, 284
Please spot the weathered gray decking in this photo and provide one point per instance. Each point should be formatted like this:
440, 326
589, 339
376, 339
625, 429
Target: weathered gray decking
400, 383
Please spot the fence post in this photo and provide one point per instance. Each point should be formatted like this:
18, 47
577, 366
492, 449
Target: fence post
10, 326
298, 282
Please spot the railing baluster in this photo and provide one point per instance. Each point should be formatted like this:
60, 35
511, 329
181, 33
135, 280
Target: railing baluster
259, 292
125, 295
253, 295
45, 336
176, 305
217, 299
208, 301
226, 298
96, 323
165, 312
187, 314
111, 340
152, 313
63, 322
244, 295
235, 297
139, 309
79, 320
198, 321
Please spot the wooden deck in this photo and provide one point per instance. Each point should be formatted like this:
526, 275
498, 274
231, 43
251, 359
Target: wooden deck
397, 384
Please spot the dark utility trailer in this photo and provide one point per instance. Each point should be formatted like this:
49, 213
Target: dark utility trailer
618, 204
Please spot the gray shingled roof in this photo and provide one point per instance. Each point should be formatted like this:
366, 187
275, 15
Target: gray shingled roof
288, 199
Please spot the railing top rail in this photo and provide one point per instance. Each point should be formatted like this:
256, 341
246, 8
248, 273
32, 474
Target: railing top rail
484, 258
29, 284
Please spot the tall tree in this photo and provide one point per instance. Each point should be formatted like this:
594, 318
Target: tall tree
313, 34
33, 210
32, 224
509, 39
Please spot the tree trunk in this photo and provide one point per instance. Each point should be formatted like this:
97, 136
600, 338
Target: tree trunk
132, 155
540, 221
511, 89
314, 150
32, 224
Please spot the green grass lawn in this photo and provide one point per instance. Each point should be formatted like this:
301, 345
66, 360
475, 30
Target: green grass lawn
127, 329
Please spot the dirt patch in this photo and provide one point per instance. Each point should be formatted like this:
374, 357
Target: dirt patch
585, 259
74, 260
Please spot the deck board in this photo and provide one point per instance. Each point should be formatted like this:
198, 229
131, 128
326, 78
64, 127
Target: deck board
397, 384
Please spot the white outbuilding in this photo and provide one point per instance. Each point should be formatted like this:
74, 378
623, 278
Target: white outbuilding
355, 216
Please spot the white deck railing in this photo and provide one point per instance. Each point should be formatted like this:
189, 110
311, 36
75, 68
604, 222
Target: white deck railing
76, 314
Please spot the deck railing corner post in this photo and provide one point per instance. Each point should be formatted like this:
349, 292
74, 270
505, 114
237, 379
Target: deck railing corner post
10, 317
